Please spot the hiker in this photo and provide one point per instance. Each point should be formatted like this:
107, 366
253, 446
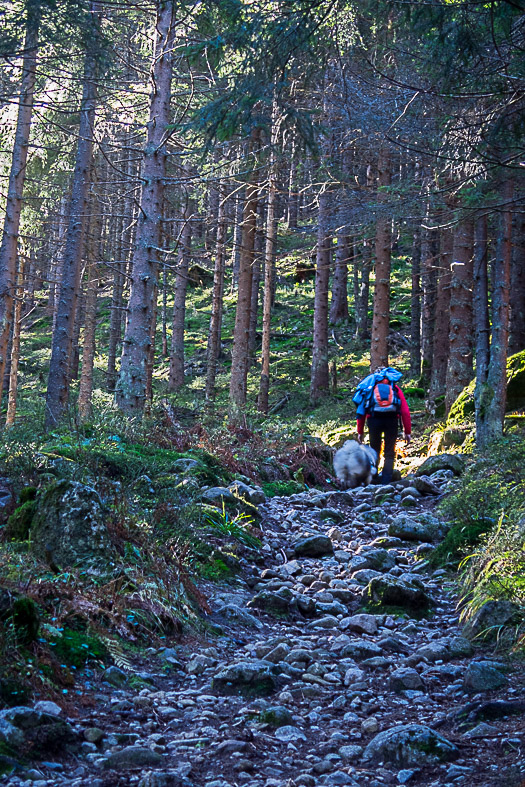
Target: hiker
382, 405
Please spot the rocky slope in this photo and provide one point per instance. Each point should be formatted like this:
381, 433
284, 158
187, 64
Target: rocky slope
337, 659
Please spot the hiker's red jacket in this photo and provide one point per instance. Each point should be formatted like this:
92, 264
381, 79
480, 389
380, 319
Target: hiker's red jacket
404, 412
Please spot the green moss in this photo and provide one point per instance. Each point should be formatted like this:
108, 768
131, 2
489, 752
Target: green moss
281, 488
19, 523
216, 570
77, 648
26, 620
27, 493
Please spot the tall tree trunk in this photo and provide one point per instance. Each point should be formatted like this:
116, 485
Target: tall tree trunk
15, 187
237, 236
319, 380
441, 346
241, 336
256, 275
428, 311
491, 401
176, 378
85, 389
293, 197
415, 307
59, 367
339, 305
269, 269
517, 286
15, 347
361, 309
381, 318
131, 387
214, 338
459, 369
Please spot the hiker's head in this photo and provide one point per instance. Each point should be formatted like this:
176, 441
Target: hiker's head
379, 370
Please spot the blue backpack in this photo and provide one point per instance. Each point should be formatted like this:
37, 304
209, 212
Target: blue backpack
377, 393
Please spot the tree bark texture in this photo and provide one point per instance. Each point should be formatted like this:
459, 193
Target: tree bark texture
15, 347
361, 307
66, 312
441, 343
241, 336
339, 305
176, 378
85, 389
460, 369
131, 387
517, 285
428, 310
491, 400
415, 307
214, 338
381, 318
319, 380
15, 186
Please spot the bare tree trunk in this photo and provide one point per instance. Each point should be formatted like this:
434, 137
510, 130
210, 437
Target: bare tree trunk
293, 197
428, 312
381, 318
269, 270
237, 237
481, 313
59, 368
517, 286
319, 380
176, 378
441, 347
131, 387
150, 363
239, 367
361, 310
214, 339
15, 347
85, 390
415, 307
256, 276
339, 305
15, 187
459, 369
492, 398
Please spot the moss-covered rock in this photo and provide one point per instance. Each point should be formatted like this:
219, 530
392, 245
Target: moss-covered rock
462, 411
68, 527
19, 523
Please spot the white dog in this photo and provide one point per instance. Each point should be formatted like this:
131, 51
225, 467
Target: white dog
355, 464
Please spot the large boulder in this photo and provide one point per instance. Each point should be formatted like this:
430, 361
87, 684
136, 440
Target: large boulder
389, 591
484, 676
313, 546
251, 678
463, 408
491, 618
432, 464
42, 733
68, 527
409, 745
425, 528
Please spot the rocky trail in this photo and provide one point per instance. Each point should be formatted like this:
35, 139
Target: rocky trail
341, 662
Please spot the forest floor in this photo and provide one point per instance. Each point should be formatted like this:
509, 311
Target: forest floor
295, 688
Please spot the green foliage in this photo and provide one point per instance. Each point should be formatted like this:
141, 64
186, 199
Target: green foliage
216, 570
236, 526
26, 620
282, 488
77, 648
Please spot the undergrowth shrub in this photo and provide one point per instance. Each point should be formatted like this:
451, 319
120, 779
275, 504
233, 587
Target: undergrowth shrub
281, 488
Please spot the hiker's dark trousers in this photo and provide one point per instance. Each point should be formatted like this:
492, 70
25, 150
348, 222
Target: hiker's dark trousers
384, 427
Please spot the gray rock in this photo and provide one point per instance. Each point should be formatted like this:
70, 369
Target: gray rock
239, 616
425, 485
276, 716
445, 649
362, 623
482, 730
408, 502
365, 575
132, 757
423, 528
326, 622
252, 678
93, 734
377, 558
360, 649
163, 779
273, 603
46, 706
431, 465
252, 494
10, 734
69, 526
409, 745
313, 546
490, 618
405, 678
350, 752
289, 733
216, 495
115, 676
405, 775
184, 465
397, 592
483, 676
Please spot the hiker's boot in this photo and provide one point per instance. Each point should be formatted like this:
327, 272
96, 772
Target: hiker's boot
387, 472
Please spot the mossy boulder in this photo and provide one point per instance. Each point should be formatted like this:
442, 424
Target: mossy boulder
462, 411
409, 745
20, 613
19, 523
68, 527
